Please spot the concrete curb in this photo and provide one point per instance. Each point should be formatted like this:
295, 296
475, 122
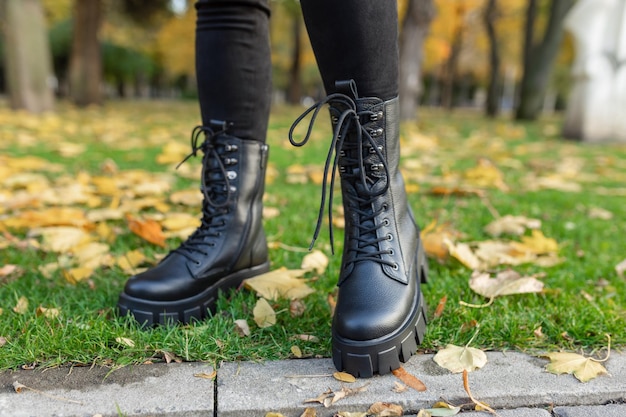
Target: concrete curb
516, 384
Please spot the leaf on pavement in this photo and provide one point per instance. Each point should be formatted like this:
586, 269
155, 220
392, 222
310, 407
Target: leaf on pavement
442, 409
264, 314
148, 230
457, 359
280, 283
409, 379
344, 377
583, 368
384, 409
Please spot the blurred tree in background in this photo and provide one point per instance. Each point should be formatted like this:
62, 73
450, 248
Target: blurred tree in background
471, 53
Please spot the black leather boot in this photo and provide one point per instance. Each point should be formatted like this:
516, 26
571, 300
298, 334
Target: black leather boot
380, 316
228, 247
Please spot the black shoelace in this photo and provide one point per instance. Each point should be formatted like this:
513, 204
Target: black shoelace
348, 121
212, 167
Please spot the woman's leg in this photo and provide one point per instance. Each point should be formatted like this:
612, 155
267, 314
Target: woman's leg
380, 315
233, 70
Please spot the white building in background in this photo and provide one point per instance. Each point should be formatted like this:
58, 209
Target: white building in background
597, 106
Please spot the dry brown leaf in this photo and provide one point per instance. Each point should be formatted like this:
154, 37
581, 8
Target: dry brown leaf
264, 314
483, 406
315, 261
279, 283
409, 379
296, 308
399, 387
440, 306
3, 341
21, 307
306, 338
273, 414
170, 356
149, 230
384, 409
344, 377
350, 414
8, 270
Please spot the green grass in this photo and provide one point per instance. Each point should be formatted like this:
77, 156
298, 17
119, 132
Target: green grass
584, 297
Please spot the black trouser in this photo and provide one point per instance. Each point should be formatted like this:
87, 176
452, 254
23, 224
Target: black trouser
351, 39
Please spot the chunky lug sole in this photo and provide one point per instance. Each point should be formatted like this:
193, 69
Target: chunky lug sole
149, 313
363, 359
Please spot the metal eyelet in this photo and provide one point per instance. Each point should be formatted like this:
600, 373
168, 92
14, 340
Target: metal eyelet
230, 161
376, 116
390, 252
389, 237
395, 267
231, 175
376, 132
230, 148
385, 222
377, 167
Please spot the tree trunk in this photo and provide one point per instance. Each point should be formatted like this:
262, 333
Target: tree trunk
450, 66
493, 89
28, 61
414, 30
539, 57
294, 87
85, 76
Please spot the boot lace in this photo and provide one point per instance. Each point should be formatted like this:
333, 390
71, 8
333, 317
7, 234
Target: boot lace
217, 192
354, 168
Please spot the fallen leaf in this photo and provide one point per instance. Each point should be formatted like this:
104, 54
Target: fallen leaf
296, 351
514, 225
583, 368
18, 387
384, 409
600, 213
306, 338
148, 230
169, 357
204, 375
61, 238
409, 379
242, 328
3, 341
537, 243
272, 414
125, 341
315, 261
49, 313
440, 306
460, 358
483, 406
8, 270
442, 409
296, 308
463, 253
350, 414
21, 307
264, 314
344, 377
309, 412
279, 283
398, 387
507, 282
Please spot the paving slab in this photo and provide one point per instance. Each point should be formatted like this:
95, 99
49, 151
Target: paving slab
156, 390
510, 380
609, 410
518, 412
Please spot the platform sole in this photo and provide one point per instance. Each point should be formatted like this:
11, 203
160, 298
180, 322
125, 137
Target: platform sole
149, 313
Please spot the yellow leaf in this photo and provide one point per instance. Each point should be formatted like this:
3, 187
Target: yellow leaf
49, 313
583, 368
148, 230
344, 377
537, 243
264, 314
457, 359
75, 275
61, 238
316, 261
280, 283
204, 375
296, 351
309, 412
463, 253
129, 261
22, 305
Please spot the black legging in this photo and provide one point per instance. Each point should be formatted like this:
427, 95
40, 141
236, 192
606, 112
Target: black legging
351, 39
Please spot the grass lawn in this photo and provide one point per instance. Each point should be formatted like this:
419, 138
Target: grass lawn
124, 154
